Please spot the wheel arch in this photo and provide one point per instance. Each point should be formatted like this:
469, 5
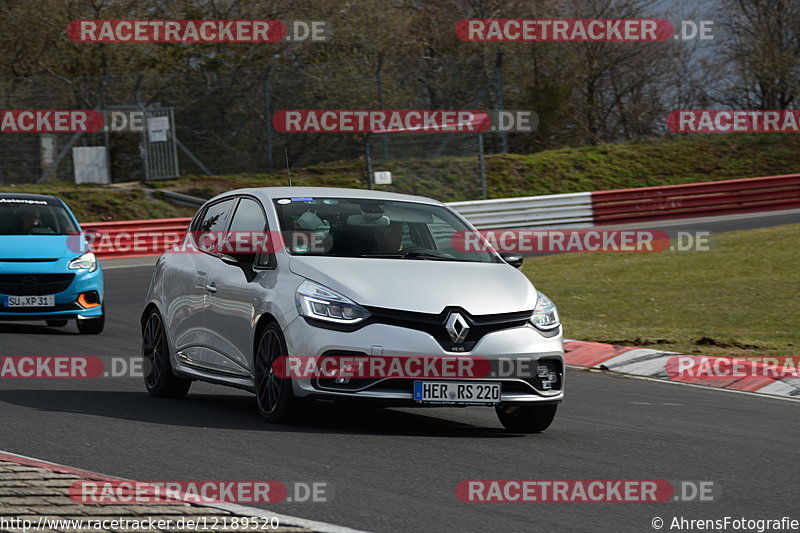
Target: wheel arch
153, 306
263, 321
146, 311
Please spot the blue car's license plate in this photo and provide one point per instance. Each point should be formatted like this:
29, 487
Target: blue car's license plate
29, 301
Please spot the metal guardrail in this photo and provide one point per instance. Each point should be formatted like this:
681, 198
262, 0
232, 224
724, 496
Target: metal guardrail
137, 238
562, 210
183, 199
697, 199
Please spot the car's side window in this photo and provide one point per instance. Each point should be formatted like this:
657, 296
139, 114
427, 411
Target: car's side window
249, 218
214, 220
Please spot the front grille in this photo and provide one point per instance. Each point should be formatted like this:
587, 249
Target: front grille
479, 326
34, 284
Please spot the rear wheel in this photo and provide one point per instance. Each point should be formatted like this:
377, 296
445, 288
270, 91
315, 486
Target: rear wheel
526, 418
92, 326
159, 378
276, 400
57, 323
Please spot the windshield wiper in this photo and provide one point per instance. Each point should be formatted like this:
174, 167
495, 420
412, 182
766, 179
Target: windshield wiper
417, 255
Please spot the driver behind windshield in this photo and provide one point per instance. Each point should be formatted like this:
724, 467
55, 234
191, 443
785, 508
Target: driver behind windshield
30, 219
389, 239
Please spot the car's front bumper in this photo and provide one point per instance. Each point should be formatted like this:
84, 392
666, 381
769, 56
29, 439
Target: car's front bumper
383, 340
66, 301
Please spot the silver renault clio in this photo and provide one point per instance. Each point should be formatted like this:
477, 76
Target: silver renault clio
363, 277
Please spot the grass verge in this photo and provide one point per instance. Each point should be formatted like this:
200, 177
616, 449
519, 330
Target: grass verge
742, 298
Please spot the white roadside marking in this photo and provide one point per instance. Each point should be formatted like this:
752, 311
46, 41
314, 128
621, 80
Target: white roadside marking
669, 382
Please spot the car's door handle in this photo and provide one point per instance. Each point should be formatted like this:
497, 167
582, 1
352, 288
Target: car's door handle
211, 287
200, 279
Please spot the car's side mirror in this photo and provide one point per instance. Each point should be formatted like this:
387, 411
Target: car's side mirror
244, 261
512, 258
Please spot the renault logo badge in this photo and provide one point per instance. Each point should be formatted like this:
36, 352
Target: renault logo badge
457, 328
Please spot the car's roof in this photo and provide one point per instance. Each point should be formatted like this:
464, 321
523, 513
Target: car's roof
328, 192
22, 197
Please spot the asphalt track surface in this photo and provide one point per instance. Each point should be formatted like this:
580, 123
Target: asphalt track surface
397, 469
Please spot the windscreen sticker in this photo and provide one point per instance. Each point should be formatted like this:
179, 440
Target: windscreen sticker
26, 201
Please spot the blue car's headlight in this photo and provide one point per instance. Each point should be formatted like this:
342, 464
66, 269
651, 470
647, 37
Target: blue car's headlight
317, 301
545, 315
85, 262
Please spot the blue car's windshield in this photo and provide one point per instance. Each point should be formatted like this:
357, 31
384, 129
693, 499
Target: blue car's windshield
28, 217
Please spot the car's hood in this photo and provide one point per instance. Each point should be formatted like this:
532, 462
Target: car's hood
38, 246
422, 285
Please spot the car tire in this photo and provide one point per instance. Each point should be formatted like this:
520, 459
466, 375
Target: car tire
92, 326
57, 323
276, 400
526, 418
159, 378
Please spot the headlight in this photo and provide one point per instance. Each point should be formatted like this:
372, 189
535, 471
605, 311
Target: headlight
315, 301
85, 262
545, 315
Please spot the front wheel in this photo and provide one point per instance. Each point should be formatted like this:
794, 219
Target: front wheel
276, 400
526, 418
159, 378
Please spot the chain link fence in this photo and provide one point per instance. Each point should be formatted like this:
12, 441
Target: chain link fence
222, 120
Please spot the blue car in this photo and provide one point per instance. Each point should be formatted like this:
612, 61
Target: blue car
46, 269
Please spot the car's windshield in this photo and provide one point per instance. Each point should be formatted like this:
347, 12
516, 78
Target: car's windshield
358, 227
34, 217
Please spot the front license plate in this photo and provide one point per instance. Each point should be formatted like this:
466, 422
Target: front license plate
457, 392
29, 301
